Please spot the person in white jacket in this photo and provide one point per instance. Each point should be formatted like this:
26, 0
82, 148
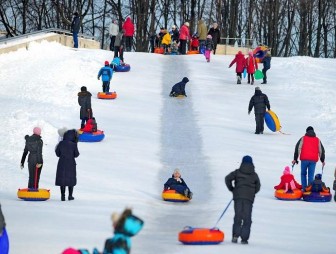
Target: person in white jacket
113, 31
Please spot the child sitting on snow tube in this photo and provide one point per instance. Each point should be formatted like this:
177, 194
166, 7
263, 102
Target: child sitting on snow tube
177, 183
288, 182
90, 126
334, 188
317, 185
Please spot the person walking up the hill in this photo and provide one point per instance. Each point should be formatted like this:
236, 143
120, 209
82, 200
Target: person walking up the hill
239, 60
215, 34
84, 101
244, 183
179, 88
113, 31
267, 65
75, 26
119, 44
310, 149
208, 47
260, 102
33, 146
251, 67
128, 27
67, 151
106, 73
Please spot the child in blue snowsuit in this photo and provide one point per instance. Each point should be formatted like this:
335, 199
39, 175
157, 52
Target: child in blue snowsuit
106, 72
177, 183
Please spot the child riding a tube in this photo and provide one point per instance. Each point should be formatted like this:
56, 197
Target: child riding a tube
177, 183
288, 182
317, 185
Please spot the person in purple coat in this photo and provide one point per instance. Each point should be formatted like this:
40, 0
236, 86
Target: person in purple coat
177, 183
67, 151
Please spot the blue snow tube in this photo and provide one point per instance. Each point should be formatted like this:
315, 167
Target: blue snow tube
260, 54
91, 137
122, 68
317, 196
272, 121
4, 243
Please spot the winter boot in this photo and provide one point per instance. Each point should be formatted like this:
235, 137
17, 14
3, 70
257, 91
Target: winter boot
63, 193
234, 239
244, 242
70, 197
238, 80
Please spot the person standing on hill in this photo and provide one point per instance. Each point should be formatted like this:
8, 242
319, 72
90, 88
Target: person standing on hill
202, 33
239, 60
113, 31
184, 37
215, 34
251, 67
75, 26
310, 149
84, 101
128, 27
67, 151
260, 102
33, 146
119, 45
244, 183
175, 34
267, 65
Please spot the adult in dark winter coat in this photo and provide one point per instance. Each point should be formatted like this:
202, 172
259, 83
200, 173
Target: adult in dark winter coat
177, 183
33, 146
260, 102
175, 34
310, 149
119, 45
215, 34
84, 101
244, 183
67, 151
267, 65
179, 88
75, 26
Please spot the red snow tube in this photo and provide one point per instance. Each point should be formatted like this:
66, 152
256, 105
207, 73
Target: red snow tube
289, 195
201, 236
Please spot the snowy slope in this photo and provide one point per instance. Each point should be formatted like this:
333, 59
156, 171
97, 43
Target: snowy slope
148, 134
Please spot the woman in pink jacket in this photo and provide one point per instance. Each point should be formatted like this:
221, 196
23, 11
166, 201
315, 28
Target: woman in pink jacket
184, 37
128, 27
240, 65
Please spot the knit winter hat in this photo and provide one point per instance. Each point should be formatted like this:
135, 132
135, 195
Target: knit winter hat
309, 128
173, 27
250, 53
187, 24
286, 171
176, 170
83, 89
71, 251
107, 63
247, 159
115, 217
185, 80
37, 131
318, 177
257, 88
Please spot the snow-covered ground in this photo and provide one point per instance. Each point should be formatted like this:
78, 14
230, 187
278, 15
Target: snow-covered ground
148, 135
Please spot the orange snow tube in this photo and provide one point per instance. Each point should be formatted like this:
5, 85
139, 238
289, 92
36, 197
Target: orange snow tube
289, 195
159, 50
201, 236
192, 52
110, 96
173, 196
33, 194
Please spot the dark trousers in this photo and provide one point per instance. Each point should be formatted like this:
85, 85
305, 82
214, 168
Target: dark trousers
265, 77
179, 188
214, 48
34, 176
106, 86
63, 190
243, 218
183, 47
119, 52
84, 120
129, 42
75, 39
249, 76
112, 42
152, 46
259, 118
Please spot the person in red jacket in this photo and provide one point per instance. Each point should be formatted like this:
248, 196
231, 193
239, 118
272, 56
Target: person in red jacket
240, 65
184, 37
194, 42
310, 149
287, 181
90, 126
128, 27
251, 67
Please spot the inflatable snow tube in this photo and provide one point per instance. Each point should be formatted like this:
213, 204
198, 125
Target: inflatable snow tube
272, 121
122, 68
173, 196
289, 195
109, 96
4, 242
260, 52
159, 50
91, 136
317, 196
192, 52
33, 194
201, 236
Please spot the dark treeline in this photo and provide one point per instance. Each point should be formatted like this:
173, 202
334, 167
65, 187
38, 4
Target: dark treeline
288, 27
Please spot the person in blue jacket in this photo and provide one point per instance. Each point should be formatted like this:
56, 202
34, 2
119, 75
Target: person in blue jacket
179, 88
267, 65
106, 72
177, 183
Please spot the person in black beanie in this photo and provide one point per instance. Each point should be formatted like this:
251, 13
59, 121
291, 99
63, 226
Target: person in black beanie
260, 102
244, 183
179, 88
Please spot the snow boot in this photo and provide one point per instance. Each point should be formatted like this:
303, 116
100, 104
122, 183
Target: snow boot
63, 193
234, 239
244, 242
70, 197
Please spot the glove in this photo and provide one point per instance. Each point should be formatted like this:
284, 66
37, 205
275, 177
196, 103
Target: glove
295, 162
323, 163
21, 166
38, 165
98, 78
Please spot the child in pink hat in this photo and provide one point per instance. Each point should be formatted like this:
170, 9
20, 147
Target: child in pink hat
287, 181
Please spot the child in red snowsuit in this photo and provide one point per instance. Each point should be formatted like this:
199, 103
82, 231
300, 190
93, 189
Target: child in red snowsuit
251, 67
287, 181
90, 126
194, 43
240, 65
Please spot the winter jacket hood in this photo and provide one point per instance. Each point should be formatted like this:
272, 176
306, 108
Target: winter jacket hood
70, 135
